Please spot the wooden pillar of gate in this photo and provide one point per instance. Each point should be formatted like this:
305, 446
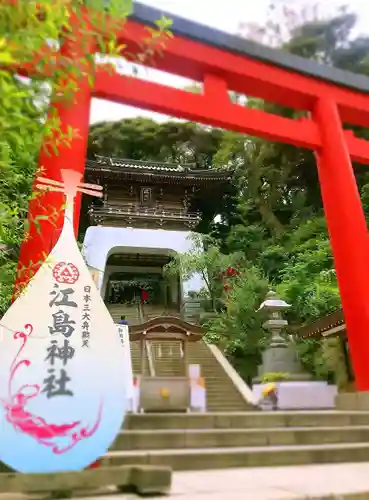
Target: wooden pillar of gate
348, 233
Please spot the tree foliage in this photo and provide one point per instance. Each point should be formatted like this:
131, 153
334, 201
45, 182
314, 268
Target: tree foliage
237, 328
281, 228
25, 27
207, 261
22, 34
145, 139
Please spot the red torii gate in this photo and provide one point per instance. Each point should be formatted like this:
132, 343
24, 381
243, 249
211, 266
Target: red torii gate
224, 62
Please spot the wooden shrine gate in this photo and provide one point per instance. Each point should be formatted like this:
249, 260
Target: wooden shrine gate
224, 62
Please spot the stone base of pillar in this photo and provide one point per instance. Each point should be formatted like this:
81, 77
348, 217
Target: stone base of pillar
353, 401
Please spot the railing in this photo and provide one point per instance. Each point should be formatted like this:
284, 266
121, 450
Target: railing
150, 358
96, 212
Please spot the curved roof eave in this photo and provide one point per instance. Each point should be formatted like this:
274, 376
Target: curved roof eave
322, 325
130, 166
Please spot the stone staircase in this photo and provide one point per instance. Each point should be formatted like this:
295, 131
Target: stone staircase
151, 311
230, 435
221, 393
168, 361
245, 439
130, 312
136, 357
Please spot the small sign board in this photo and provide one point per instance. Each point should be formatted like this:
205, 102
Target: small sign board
123, 334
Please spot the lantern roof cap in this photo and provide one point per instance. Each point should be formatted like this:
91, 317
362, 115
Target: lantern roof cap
272, 301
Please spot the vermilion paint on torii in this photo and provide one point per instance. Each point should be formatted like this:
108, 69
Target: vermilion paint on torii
224, 62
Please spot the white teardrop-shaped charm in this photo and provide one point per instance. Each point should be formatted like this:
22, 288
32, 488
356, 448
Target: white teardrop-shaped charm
62, 386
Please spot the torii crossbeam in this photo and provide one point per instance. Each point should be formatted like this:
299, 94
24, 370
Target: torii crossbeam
224, 62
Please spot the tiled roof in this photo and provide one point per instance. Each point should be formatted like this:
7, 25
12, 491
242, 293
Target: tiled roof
322, 325
161, 169
142, 165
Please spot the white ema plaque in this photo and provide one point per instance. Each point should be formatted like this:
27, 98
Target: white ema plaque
62, 377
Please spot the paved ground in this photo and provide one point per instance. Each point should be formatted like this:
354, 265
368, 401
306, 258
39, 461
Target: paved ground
277, 483
314, 482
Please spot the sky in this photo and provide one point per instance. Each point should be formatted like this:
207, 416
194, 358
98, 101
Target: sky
223, 15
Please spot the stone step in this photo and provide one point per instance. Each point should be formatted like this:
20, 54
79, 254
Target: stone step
227, 397
246, 420
214, 391
226, 401
224, 396
144, 480
178, 366
223, 438
236, 408
230, 401
230, 409
221, 392
254, 456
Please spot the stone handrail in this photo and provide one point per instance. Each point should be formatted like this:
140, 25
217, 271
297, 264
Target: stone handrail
150, 358
239, 383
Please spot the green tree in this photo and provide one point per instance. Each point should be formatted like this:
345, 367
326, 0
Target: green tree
145, 139
237, 328
236, 291
23, 34
206, 260
282, 227
307, 278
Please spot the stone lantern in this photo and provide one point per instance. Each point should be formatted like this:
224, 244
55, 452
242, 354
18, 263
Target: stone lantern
280, 356
273, 307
